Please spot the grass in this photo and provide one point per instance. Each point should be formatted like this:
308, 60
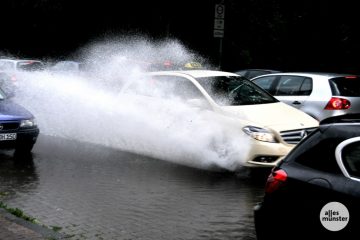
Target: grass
3, 194
18, 212
56, 228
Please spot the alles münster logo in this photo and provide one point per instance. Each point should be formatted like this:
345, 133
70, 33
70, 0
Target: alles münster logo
334, 216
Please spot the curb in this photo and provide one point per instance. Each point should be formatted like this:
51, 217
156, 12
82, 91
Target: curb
45, 232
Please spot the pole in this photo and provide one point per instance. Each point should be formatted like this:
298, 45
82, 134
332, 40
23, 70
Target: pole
220, 52
219, 23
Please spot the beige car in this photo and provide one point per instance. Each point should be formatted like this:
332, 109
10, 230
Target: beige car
270, 128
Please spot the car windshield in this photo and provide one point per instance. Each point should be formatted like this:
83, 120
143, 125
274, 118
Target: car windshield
234, 90
345, 86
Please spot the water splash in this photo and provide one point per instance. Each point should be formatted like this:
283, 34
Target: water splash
88, 107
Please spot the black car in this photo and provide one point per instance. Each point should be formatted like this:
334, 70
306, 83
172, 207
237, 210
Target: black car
18, 128
321, 171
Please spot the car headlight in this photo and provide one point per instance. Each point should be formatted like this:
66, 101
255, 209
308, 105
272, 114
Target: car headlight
260, 134
28, 123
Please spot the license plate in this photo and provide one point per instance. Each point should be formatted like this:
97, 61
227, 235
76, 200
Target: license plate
7, 136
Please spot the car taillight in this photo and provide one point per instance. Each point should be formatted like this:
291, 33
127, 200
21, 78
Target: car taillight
337, 104
275, 180
167, 63
351, 77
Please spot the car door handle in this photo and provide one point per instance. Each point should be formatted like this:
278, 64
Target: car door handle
296, 103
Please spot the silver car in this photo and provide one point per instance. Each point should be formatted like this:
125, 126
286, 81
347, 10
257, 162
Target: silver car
12, 65
321, 95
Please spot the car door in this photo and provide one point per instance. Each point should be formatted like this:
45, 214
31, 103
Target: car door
348, 158
293, 90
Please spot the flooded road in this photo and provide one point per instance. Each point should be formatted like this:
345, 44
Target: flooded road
95, 192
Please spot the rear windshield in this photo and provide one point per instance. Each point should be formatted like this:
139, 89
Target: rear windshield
30, 66
234, 90
345, 86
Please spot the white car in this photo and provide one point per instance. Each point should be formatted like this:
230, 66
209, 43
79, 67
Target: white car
12, 65
270, 127
67, 66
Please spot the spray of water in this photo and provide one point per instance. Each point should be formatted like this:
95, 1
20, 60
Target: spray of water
88, 107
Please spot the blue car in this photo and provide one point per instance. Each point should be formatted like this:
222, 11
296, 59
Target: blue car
18, 129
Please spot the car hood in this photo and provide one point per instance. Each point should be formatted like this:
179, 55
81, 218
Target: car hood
12, 111
278, 116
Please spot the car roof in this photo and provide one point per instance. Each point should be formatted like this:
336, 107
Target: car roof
309, 74
196, 73
20, 60
258, 69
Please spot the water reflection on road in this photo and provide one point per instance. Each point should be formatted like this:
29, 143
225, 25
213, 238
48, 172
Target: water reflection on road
17, 173
94, 192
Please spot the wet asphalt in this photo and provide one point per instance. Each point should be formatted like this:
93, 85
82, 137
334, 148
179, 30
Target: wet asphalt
89, 191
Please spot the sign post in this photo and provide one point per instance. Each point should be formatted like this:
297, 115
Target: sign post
219, 24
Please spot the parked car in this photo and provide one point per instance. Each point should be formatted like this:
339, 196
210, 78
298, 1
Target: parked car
251, 73
321, 95
67, 66
8, 83
12, 70
272, 127
323, 168
13, 65
18, 128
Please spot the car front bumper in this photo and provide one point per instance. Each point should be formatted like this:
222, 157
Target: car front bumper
23, 136
266, 154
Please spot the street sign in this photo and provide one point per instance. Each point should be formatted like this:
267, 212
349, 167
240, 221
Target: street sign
219, 24
218, 33
220, 11
219, 21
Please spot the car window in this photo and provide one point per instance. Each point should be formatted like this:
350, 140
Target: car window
166, 87
177, 86
345, 86
306, 87
289, 85
30, 66
351, 159
266, 83
317, 153
234, 90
